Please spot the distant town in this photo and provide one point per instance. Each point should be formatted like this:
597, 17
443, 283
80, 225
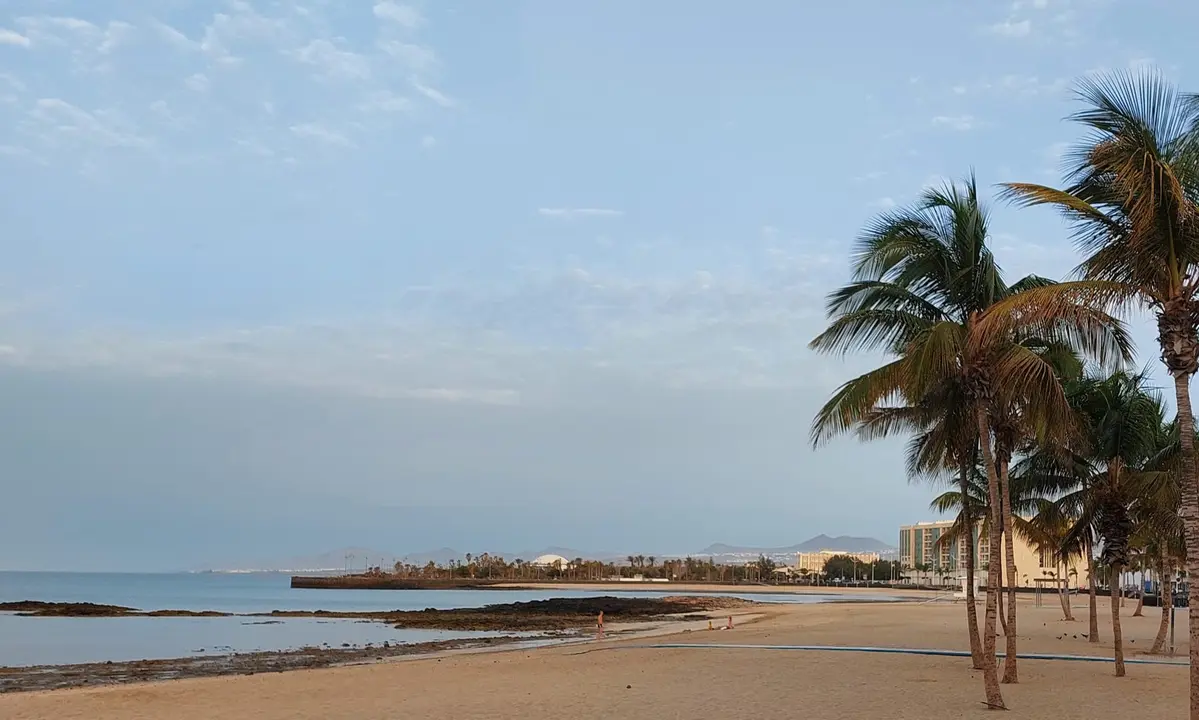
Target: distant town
358, 559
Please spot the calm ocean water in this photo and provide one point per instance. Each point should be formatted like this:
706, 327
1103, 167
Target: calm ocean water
44, 641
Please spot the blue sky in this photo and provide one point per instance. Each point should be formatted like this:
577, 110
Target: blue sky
520, 273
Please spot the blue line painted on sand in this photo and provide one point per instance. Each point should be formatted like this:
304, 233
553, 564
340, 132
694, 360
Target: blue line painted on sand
892, 650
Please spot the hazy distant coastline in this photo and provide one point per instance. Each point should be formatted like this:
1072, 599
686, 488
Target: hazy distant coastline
359, 558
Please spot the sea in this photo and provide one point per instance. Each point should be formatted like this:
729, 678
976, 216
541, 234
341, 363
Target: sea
28, 641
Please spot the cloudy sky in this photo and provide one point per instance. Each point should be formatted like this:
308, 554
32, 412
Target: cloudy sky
284, 276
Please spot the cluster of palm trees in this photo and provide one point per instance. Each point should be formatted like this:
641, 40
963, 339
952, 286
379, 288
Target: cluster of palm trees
1021, 391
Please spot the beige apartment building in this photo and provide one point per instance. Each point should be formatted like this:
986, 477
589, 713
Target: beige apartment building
920, 546
814, 562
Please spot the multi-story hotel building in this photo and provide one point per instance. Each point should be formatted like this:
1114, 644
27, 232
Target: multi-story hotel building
814, 562
920, 546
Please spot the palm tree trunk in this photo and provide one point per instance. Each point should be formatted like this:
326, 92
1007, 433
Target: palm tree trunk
1063, 592
976, 650
1117, 637
1140, 600
1093, 600
1010, 675
990, 672
999, 601
1165, 598
1189, 511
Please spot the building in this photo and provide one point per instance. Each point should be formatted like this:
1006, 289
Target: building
921, 549
814, 562
554, 561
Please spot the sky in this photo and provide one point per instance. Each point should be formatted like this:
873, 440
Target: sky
279, 276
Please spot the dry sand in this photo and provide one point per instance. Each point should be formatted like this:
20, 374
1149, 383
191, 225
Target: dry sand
610, 680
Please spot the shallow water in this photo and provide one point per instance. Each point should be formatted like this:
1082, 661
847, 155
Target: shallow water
63, 641
263, 592
37, 641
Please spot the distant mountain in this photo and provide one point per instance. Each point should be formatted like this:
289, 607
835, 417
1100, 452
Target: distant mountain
843, 542
351, 557
816, 544
440, 556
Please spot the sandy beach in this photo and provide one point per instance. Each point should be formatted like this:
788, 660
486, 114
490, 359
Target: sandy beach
614, 679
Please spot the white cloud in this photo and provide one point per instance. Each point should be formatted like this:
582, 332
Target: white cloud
255, 147
956, 122
114, 36
243, 26
1012, 28
885, 203
58, 123
387, 102
10, 37
174, 37
198, 82
428, 141
243, 57
50, 29
316, 131
72, 31
486, 344
572, 213
416, 58
435, 95
332, 61
404, 15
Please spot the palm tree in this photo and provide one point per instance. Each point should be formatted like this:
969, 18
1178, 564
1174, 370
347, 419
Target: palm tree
1159, 528
1131, 196
1108, 478
1049, 531
927, 290
1024, 501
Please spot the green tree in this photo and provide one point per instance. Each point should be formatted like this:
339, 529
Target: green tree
1130, 196
927, 291
1106, 474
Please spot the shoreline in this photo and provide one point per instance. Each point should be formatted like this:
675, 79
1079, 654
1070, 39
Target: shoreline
35, 678
550, 614
53, 678
553, 622
681, 675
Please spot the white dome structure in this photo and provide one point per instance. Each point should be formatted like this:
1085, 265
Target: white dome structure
551, 561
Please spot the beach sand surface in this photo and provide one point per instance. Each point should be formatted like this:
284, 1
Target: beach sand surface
612, 680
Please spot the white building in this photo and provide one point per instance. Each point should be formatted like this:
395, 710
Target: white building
554, 561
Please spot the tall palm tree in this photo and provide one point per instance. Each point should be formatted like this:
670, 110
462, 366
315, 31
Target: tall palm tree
1131, 196
927, 290
1055, 471
1159, 528
1109, 479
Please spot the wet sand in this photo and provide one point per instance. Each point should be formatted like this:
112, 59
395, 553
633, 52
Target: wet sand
611, 679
